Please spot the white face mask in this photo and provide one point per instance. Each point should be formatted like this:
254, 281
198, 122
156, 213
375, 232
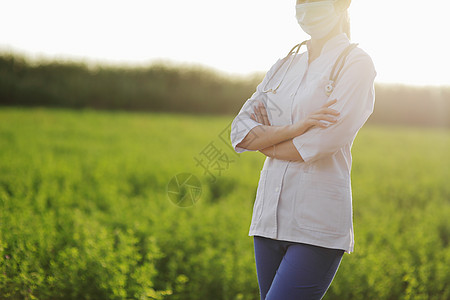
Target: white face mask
317, 18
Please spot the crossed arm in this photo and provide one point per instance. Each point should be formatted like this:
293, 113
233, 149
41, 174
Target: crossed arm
276, 141
284, 151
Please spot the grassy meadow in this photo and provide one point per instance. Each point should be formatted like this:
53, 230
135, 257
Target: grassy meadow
85, 211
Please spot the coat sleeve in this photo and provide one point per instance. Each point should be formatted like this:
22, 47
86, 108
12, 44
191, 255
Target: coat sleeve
355, 96
242, 123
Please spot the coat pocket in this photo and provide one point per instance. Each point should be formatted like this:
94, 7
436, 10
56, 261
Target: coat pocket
323, 204
259, 201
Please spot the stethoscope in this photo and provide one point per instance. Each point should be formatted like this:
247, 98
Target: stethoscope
337, 68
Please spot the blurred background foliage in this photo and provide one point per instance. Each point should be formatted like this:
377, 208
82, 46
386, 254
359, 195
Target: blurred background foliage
187, 89
86, 154
85, 212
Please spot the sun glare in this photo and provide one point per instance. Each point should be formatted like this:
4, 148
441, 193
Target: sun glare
404, 38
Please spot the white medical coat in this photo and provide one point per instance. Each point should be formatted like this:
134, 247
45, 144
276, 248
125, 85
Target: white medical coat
311, 201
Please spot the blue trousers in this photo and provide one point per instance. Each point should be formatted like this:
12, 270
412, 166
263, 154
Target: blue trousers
289, 270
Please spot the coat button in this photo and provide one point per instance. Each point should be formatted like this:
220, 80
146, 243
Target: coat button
277, 189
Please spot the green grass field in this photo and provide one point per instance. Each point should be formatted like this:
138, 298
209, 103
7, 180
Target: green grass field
85, 211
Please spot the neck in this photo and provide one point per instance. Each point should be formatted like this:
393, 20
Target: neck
315, 45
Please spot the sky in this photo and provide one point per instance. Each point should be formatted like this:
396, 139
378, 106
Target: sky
405, 38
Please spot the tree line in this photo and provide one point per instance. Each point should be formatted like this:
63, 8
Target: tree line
188, 89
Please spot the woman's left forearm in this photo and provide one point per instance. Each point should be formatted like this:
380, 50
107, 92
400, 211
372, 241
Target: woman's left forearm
283, 151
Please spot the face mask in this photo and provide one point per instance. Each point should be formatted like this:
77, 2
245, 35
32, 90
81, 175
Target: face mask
317, 18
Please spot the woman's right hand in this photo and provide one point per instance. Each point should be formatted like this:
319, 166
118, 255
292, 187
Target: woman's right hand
316, 118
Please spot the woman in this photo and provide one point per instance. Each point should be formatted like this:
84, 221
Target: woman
305, 119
